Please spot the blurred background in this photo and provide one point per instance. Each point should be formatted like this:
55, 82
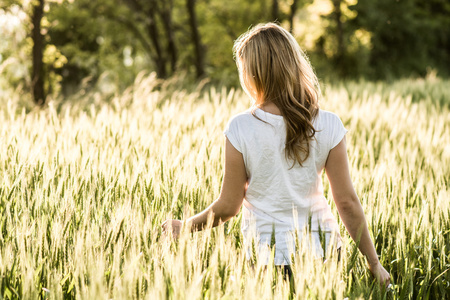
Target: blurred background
53, 48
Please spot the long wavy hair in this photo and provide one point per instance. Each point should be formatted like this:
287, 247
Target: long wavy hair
273, 68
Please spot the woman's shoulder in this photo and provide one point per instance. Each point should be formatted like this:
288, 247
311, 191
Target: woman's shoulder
326, 114
327, 118
242, 117
243, 114
330, 129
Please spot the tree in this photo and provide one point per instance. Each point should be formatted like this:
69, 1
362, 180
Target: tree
339, 59
166, 17
95, 36
293, 9
337, 45
146, 13
37, 77
275, 10
34, 11
406, 36
337, 14
196, 39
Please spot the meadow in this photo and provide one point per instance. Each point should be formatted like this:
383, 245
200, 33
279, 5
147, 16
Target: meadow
86, 183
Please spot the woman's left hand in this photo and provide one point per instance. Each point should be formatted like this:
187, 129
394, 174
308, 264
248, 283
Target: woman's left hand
175, 225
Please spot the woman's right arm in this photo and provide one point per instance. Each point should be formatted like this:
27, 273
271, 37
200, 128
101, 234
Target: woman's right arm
350, 209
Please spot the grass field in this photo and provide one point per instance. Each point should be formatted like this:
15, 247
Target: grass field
86, 183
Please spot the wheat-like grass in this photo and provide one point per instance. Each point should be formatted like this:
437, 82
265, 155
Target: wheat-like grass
86, 184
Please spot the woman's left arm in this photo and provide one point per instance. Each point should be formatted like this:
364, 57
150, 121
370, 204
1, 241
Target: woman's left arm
230, 200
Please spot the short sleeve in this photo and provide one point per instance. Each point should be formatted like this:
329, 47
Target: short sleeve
232, 133
338, 131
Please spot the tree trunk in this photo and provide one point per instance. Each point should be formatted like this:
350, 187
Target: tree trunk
37, 77
145, 12
339, 27
199, 52
275, 10
292, 15
152, 30
166, 16
339, 58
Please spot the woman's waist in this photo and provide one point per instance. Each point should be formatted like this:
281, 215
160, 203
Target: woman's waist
290, 243
287, 220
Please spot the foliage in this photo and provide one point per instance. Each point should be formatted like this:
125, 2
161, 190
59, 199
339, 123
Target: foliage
86, 33
407, 36
15, 49
86, 184
84, 39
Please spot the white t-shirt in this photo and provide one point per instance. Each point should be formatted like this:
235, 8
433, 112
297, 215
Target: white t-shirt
280, 199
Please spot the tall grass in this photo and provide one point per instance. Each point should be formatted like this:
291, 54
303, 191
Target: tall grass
86, 184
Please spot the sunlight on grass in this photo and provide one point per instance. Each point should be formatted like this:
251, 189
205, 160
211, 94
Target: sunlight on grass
86, 184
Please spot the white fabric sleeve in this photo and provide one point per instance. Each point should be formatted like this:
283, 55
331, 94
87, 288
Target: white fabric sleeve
232, 133
338, 131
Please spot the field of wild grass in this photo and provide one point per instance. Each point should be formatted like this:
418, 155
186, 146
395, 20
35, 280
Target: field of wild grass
85, 184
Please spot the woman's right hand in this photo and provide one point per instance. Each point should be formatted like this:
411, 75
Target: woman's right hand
380, 274
174, 226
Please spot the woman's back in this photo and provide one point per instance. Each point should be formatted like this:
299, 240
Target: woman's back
273, 163
282, 196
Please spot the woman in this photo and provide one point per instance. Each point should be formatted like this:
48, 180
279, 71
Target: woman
276, 151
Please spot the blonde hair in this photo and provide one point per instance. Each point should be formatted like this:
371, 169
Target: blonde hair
273, 68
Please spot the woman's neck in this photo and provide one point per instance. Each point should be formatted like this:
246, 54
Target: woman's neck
271, 108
